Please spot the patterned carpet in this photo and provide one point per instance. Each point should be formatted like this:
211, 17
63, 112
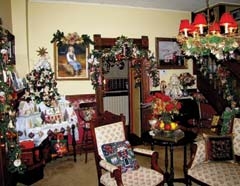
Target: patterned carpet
64, 172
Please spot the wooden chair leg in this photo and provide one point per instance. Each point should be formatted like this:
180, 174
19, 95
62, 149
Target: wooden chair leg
86, 156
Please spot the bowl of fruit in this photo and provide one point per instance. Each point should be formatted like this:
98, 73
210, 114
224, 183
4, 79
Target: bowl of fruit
168, 128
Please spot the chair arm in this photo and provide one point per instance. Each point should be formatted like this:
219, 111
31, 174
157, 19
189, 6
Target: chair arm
145, 152
114, 171
108, 166
151, 154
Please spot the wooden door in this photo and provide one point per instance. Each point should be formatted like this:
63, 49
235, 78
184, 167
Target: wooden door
135, 95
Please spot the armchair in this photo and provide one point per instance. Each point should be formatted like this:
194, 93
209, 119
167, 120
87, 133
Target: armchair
111, 147
215, 159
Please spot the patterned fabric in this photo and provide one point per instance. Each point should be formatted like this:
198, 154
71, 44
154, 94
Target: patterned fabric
217, 173
200, 156
121, 155
236, 136
140, 177
107, 166
108, 134
143, 151
219, 148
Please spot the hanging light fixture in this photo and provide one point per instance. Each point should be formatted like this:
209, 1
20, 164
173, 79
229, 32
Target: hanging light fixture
202, 38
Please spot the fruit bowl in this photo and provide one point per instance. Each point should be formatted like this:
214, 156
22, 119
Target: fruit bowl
168, 127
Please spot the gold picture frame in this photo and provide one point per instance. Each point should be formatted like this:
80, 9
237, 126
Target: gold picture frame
71, 70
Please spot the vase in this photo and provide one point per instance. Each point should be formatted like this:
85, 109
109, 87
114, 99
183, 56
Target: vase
185, 91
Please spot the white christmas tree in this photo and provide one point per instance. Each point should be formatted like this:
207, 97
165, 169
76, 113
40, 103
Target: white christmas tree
41, 84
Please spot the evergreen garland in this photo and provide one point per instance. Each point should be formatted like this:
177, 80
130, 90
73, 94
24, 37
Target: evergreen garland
71, 39
124, 50
8, 135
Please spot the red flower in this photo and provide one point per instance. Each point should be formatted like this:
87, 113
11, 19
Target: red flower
170, 107
163, 104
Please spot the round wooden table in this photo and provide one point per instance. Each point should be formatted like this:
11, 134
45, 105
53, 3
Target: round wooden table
169, 145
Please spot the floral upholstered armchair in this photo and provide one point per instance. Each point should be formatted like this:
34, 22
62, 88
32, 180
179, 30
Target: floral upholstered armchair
115, 159
215, 159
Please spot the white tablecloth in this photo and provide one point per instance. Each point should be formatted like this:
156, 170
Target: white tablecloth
31, 126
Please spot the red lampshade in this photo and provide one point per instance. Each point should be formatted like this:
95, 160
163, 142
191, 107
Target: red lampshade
200, 20
193, 29
184, 25
214, 28
234, 25
226, 19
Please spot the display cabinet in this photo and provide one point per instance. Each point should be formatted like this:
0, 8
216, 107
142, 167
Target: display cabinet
219, 81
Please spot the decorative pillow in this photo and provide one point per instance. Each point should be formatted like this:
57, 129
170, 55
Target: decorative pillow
219, 148
58, 147
121, 155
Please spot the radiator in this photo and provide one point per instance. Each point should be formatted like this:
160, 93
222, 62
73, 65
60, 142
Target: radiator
117, 105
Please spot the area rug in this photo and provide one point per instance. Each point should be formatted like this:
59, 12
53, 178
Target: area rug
65, 172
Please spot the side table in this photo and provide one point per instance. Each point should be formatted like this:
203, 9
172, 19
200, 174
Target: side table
169, 147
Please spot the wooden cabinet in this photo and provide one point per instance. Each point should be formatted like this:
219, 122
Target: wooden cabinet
213, 88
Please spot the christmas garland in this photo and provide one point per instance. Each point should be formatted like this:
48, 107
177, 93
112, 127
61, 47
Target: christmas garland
71, 39
123, 51
8, 135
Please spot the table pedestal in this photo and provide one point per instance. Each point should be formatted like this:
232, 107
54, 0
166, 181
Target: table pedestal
169, 148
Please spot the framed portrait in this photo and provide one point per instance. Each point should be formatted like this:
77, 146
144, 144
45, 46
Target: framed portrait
71, 62
168, 54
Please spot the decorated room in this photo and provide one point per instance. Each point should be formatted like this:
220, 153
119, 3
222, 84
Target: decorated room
123, 93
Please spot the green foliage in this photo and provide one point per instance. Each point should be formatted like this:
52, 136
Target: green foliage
72, 38
42, 86
120, 54
205, 45
7, 117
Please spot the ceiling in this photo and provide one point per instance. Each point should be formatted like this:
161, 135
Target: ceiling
177, 5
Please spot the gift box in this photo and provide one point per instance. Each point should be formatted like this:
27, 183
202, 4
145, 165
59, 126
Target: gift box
27, 144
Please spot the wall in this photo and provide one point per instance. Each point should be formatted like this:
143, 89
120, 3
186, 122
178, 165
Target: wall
5, 14
36, 22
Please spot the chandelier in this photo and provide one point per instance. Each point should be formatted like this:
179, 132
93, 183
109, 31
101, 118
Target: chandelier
204, 38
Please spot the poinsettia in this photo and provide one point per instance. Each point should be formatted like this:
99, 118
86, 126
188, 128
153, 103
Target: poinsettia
163, 106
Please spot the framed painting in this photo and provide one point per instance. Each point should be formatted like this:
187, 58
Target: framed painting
71, 62
168, 54
8, 51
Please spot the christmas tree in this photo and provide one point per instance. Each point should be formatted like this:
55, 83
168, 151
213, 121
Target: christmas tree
41, 85
8, 135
